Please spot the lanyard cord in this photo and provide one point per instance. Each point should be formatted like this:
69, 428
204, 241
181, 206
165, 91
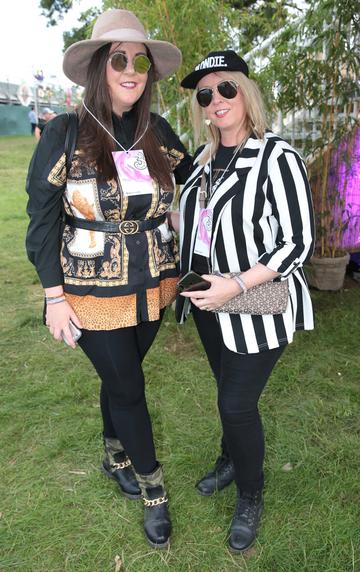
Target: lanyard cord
111, 135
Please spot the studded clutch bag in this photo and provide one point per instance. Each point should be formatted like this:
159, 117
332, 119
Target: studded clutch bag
267, 298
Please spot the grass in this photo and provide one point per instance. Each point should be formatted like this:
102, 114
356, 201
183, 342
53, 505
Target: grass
58, 513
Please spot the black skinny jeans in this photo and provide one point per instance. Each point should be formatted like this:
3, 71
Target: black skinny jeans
117, 356
240, 379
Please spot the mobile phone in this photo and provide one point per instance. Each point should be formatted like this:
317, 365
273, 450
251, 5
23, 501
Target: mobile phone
75, 332
192, 282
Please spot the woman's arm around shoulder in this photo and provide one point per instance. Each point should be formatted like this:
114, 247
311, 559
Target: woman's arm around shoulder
179, 158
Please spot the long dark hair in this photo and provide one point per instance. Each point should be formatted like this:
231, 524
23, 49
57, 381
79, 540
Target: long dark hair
93, 140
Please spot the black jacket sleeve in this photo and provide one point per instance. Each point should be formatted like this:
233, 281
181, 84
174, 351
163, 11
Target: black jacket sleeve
45, 185
179, 158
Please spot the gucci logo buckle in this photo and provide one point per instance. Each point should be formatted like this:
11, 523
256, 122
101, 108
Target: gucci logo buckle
129, 227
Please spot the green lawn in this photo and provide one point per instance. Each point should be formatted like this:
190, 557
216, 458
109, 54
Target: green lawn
58, 512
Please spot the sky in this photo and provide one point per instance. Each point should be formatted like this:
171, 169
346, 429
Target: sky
27, 44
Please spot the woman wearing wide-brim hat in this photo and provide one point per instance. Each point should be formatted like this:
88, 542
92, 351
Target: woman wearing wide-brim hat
111, 268
246, 209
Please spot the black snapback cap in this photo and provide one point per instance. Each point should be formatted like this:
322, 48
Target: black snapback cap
227, 60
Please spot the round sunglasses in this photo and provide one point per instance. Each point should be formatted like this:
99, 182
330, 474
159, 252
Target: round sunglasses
227, 88
119, 62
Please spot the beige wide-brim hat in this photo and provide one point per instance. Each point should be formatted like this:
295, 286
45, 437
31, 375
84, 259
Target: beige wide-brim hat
118, 26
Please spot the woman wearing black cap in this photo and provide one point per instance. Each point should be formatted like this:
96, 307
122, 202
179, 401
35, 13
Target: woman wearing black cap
112, 269
246, 209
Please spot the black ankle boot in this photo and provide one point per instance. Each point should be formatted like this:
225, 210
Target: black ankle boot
246, 520
116, 465
157, 524
220, 477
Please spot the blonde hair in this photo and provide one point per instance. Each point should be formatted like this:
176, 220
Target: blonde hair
255, 120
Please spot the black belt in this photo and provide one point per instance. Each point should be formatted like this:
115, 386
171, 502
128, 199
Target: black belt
124, 226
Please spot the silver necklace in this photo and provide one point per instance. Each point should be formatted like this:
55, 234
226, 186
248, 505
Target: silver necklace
218, 181
111, 135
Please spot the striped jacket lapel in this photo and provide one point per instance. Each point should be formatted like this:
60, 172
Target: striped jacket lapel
232, 185
189, 204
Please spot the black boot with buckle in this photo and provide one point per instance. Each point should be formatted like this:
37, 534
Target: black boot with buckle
246, 521
219, 477
117, 465
157, 524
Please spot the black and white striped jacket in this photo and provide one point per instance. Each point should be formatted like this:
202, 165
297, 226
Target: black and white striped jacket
262, 212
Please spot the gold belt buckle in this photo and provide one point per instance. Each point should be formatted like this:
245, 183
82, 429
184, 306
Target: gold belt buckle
129, 227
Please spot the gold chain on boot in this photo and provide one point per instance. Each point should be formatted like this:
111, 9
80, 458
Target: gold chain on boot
123, 465
155, 502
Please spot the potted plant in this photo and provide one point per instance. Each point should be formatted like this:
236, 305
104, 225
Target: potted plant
328, 177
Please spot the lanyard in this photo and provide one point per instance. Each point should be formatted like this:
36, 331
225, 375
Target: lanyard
111, 135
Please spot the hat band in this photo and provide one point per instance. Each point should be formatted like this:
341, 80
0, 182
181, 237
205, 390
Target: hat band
123, 35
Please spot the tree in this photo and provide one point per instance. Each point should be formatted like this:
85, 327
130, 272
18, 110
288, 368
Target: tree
314, 68
77, 34
256, 20
55, 9
196, 28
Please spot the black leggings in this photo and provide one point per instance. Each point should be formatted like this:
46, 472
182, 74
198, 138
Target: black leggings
117, 356
241, 379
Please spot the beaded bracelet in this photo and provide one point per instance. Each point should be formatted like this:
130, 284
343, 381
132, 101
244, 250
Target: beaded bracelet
56, 300
241, 283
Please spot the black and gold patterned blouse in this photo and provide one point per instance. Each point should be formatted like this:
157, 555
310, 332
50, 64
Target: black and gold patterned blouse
111, 280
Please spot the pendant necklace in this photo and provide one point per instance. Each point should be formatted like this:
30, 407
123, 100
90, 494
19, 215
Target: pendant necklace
111, 135
204, 195
216, 184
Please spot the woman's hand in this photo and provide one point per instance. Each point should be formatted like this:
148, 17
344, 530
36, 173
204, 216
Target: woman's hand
173, 219
57, 320
221, 290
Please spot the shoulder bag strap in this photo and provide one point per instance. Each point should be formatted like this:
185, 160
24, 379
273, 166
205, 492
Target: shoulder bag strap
71, 139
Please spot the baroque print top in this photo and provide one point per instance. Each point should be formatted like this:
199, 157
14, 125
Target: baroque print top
111, 280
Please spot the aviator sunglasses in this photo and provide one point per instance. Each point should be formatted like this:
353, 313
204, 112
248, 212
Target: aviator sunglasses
119, 61
227, 88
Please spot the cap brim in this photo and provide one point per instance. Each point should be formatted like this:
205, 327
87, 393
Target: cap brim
167, 57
